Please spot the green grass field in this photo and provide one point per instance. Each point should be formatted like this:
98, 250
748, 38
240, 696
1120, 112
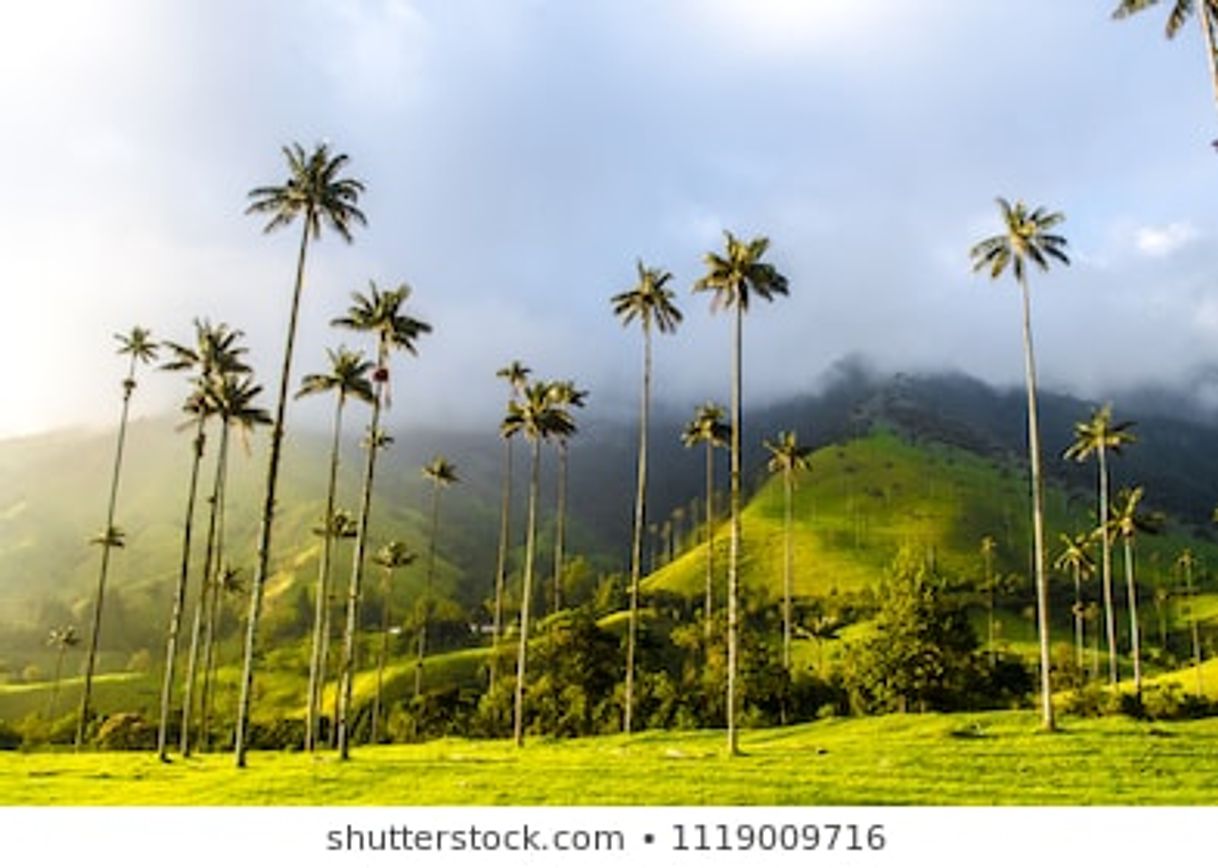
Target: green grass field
964, 759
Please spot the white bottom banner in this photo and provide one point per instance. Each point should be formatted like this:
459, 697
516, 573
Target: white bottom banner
487, 837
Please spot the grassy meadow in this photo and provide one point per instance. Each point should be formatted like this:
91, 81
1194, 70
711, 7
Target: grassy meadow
993, 758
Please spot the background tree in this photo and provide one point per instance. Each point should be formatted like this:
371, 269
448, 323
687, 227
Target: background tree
343, 526
441, 473
61, 639
215, 351
316, 194
227, 585
517, 376
653, 304
1126, 522
381, 314
1026, 236
347, 377
1185, 563
537, 417
707, 427
139, 346
1097, 436
1076, 558
1207, 17
391, 556
786, 457
988, 546
734, 277
565, 395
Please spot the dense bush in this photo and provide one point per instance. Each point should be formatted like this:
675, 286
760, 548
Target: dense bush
125, 731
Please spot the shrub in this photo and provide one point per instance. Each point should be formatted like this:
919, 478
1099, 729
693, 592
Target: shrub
125, 731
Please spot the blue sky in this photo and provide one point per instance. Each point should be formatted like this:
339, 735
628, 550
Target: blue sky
519, 156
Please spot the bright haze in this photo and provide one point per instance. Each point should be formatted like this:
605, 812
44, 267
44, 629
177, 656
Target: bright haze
519, 155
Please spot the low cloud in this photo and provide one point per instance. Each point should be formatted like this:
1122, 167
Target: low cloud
1162, 241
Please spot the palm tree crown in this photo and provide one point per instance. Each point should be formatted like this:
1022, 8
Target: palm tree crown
440, 471
707, 426
738, 273
138, 344
786, 455
515, 373
1075, 554
650, 301
1026, 237
381, 312
348, 375
536, 415
1180, 12
1099, 432
1126, 521
312, 191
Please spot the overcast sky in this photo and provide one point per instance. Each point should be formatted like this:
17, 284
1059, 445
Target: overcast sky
520, 155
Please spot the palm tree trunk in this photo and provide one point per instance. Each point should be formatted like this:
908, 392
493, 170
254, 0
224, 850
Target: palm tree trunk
733, 556
1192, 617
215, 601
1134, 631
560, 523
91, 657
205, 595
786, 573
501, 564
1114, 674
384, 653
1211, 52
268, 507
347, 675
179, 597
1038, 516
1078, 616
431, 572
636, 546
323, 584
710, 538
526, 595
989, 581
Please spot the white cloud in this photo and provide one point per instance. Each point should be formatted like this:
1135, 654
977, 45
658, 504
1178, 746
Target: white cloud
1161, 241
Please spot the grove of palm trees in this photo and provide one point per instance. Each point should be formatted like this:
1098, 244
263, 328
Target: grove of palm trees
544, 564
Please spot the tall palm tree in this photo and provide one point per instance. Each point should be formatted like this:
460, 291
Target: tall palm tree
988, 546
734, 277
347, 377
215, 352
61, 639
517, 376
787, 457
566, 395
139, 346
1026, 237
1185, 563
653, 304
1098, 436
316, 194
441, 473
381, 314
1207, 17
231, 397
538, 418
1127, 522
391, 556
1076, 557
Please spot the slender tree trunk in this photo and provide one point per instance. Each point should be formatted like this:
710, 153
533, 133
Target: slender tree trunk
786, 572
91, 657
989, 581
710, 538
1211, 51
320, 614
560, 524
431, 573
55, 685
636, 545
1038, 517
382, 656
733, 556
526, 595
268, 508
215, 601
196, 632
1114, 674
1134, 630
1192, 617
179, 597
501, 563
1078, 616
347, 676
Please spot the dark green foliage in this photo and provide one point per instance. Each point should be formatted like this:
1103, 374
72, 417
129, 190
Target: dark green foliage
923, 653
10, 738
125, 731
